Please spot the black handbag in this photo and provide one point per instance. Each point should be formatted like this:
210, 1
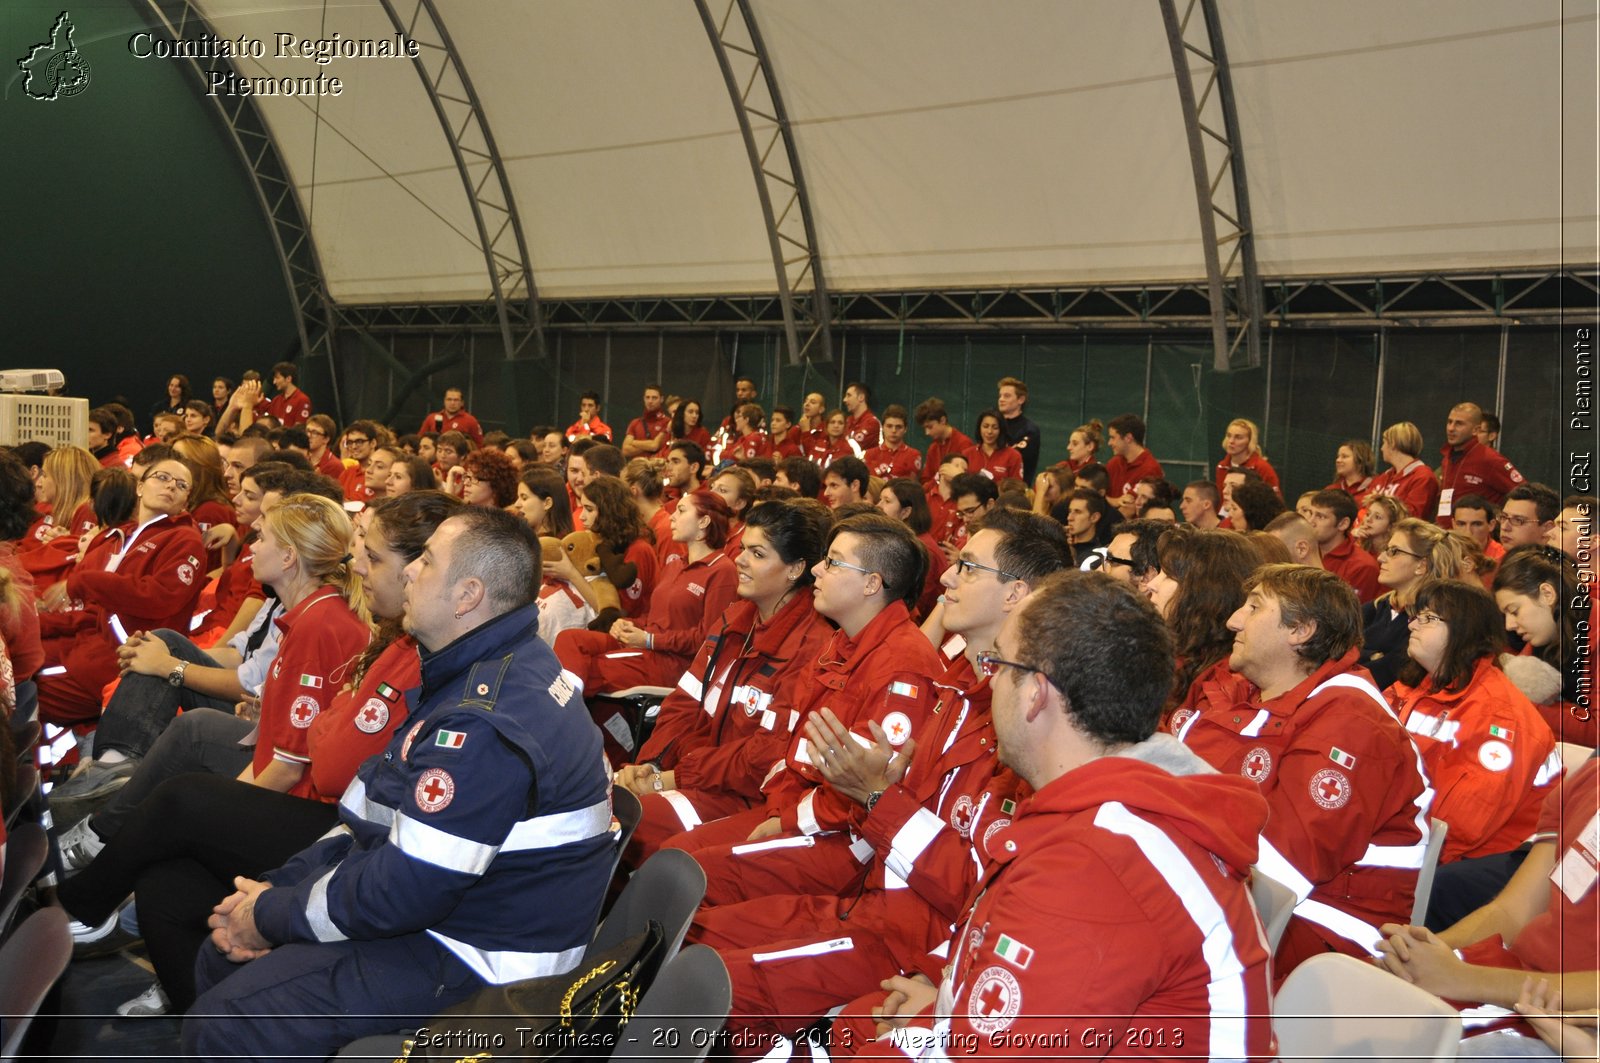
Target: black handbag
565, 1016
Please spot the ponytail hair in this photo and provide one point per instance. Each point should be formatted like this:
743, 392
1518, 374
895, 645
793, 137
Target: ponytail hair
319, 531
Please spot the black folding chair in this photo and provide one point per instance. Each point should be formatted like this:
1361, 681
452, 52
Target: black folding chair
683, 1010
30, 962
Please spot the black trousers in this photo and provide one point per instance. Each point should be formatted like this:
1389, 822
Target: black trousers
178, 853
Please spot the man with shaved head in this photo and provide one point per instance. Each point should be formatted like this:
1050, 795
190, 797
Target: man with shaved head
1470, 467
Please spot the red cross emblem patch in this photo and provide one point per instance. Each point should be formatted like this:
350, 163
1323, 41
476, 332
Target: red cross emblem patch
303, 711
435, 790
1257, 764
1330, 788
372, 716
995, 1001
897, 725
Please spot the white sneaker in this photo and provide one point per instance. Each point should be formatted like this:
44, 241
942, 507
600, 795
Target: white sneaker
152, 1001
80, 845
84, 934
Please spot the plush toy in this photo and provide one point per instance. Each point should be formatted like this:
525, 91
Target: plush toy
593, 558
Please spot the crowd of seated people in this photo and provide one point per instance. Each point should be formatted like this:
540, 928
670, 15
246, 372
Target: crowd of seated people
908, 687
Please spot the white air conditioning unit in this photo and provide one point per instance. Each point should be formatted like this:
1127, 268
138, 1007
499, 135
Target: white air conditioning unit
40, 380
49, 419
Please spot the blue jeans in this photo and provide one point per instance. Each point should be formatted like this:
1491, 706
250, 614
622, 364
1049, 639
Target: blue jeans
143, 705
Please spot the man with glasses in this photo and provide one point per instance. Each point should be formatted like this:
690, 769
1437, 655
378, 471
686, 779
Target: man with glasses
359, 439
1348, 829
875, 669
320, 432
1469, 466
1529, 513
1120, 888
917, 804
1132, 556
974, 496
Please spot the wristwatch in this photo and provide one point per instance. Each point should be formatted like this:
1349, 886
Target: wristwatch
175, 677
872, 799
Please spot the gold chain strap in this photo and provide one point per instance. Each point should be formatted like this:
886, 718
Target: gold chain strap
572, 991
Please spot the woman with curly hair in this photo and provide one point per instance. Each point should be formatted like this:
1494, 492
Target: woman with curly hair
609, 511
488, 478
1199, 584
1382, 513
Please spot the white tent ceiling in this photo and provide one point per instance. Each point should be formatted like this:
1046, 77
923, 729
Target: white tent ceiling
947, 142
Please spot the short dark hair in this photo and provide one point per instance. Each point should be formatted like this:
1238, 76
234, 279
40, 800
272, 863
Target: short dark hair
1476, 631
931, 410
975, 484
582, 445
866, 392
692, 453
104, 419
456, 441
1313, 595
1096, 474
889, 549
894, 409
604, 459
1031, 546
113, 492
762, 468
286, 369
1476, 502
593, 396
1144, 553
1102, 645
1257, 502
1339, 503
1162, 490
804, 474
1129, 424
1546, 503
16, 497
1491, 423
793, 532
294, 436
539, 431
501, 550
787, 411
851, 470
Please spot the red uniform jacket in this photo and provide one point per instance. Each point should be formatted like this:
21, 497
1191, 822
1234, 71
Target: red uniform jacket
1414, 485
1473, 469
688, 601
463, 422
937, 563
19, 626
823, 451
948, 524
1261, 466
330, 465
699, 434
879, 675
358, 723
1489, 754
1357, 490
594, 426
636, 596
755, 445
888, 464
793, 445
939, 453
1356, 567
320, 636
83, 520
648, 426
236, 584
1350, 801
208, 515
863, 429
1003, 464
290, 410
729, 719
1124, 474
354, 482
1119, 890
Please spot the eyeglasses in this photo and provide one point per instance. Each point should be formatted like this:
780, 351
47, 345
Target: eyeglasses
357, 441
965, 567
316, 432
1113, 559
469, 479
989, 663
168, 478
1426, 619
966, 514
1391, 551
834, 562
1514, 521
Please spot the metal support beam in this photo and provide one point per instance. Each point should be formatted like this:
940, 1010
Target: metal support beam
1210, 122
494, 210
780, 185
314, 313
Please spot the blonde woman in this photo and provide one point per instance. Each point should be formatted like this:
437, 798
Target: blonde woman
63, 489
1417, 552
1383, 512
1241, 449
1408, 477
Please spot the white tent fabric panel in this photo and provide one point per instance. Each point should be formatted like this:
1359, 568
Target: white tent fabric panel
1383, 136
377, 180
951, 143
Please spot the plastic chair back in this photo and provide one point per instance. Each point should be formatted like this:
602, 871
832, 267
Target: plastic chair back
1274, 904
667, 888
30, 962
1430, 864
1336, 1007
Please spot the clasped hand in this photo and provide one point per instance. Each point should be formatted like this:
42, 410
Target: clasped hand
233, 922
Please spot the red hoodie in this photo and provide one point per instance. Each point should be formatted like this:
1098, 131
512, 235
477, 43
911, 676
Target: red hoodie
1118, 890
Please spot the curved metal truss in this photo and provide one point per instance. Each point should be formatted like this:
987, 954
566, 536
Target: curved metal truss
1212, 126
494, 210
315, 314
785, 207
1412, 300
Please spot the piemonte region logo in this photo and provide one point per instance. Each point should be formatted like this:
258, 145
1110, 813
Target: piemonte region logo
55, 69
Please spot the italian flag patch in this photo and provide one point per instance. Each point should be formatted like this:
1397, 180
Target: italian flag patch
1341, 758
904, 690
1500, 732
450, 739
1013, 952
312, 681
387, 692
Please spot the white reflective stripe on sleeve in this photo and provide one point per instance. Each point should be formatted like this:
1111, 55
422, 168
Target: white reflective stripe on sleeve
1406, 857
502, 967
1549, 771
911, 840
1483, 1015
892, 881
317, 911
287, 757
1253, 728
337, 831
1276, 866
1183, 731
805, 816
1225, 988
683, 807
691, 686
781, 1051
1342, 923
943, 951
1354, 682
559, 828
356, 803
776, 843
819, 948
434, 846
54, 669
772, 771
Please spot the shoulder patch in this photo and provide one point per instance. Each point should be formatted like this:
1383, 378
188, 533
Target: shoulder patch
995, 1001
